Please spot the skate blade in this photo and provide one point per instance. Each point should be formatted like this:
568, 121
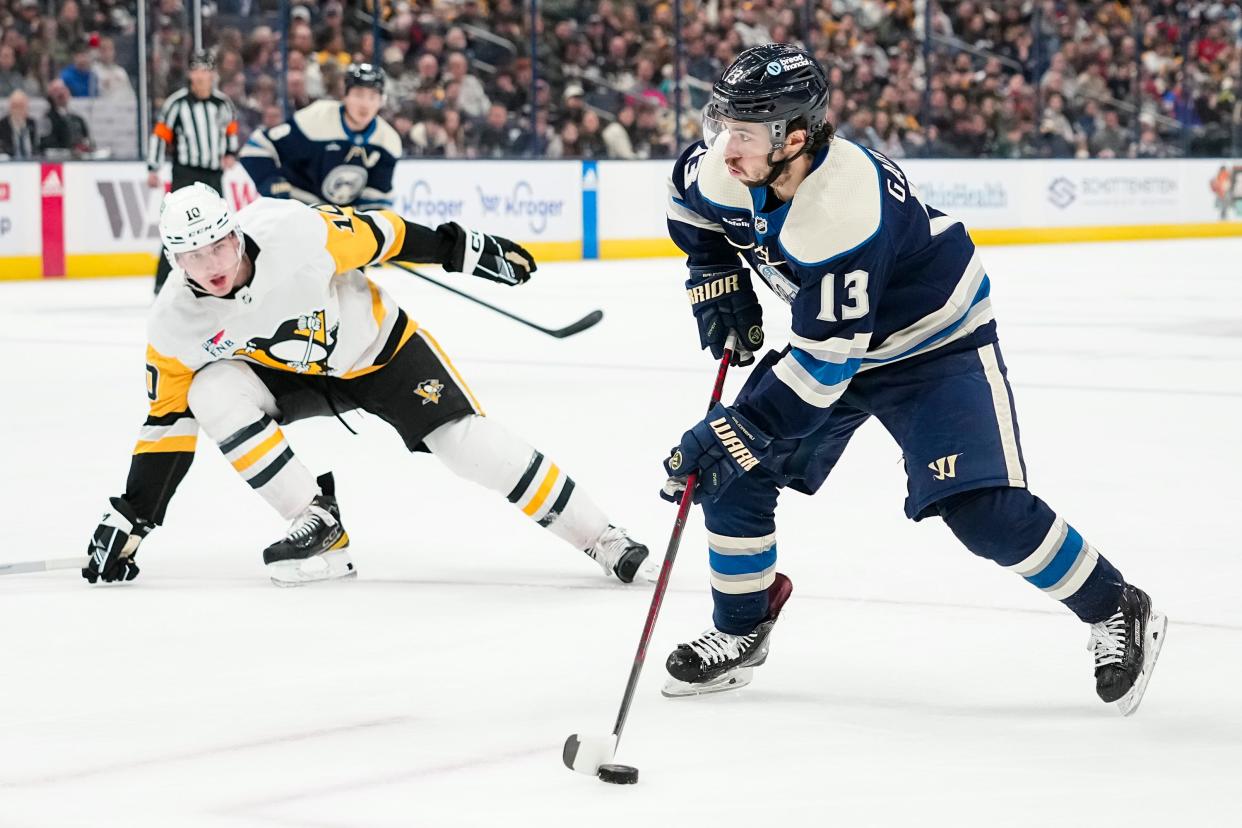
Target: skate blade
1157, 623
310, 581
733, 680
333, 565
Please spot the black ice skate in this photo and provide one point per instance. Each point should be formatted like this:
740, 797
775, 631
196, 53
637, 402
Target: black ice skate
1126, 647
718, 661
621, 555
315, 548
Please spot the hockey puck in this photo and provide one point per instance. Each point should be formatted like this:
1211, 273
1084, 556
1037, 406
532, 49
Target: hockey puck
618, 774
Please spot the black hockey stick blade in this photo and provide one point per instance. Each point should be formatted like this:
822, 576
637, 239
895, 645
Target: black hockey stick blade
588, 321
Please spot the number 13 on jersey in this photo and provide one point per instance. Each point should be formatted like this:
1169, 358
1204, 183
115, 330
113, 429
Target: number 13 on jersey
853, 296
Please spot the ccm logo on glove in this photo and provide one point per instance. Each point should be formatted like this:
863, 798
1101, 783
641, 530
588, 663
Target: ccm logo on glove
736, 448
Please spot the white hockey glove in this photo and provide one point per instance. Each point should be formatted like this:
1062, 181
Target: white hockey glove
490, 257
115, 543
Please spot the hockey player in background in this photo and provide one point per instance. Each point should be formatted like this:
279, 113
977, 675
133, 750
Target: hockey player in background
266, 319
891, 319
334, 152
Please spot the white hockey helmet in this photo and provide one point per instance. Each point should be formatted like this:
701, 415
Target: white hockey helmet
194, 217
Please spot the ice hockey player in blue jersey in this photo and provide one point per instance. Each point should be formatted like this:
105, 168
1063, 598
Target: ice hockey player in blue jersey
891, 319
334, 152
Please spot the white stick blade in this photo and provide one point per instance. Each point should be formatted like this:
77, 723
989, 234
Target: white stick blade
585, 754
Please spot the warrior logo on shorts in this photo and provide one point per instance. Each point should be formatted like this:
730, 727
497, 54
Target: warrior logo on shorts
429, 390
302, 345
944, 467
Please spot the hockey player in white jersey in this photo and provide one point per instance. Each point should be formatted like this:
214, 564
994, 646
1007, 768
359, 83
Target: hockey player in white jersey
267, 318
334, 152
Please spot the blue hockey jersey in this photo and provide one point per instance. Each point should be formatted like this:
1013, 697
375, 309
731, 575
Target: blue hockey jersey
872, 275
316, 158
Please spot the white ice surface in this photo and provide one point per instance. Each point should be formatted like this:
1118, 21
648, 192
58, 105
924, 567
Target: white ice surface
909, 684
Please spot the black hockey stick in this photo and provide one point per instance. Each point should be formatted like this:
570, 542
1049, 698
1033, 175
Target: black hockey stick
581, 325
586, 754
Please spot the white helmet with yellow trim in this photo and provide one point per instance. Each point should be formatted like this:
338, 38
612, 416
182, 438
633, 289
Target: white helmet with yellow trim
194, 217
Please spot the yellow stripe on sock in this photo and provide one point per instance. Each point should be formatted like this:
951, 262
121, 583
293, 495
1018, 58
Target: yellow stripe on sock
251, 457
545, 488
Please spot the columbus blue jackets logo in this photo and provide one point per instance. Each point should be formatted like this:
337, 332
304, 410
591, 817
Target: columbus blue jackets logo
429, 390
343, 184
302, 345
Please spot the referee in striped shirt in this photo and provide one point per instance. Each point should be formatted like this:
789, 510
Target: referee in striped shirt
197, 130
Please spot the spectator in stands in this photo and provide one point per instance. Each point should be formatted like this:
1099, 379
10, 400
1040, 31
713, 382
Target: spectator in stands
111, 80
428, 72
19, 140
11, 77
1054, 129
574, 104
591, 136
497, 137
1149, 144
27, 21
619, 135
428, 138
471, 98
67, 130
1111, 141
69, 24
78, 76
504, 91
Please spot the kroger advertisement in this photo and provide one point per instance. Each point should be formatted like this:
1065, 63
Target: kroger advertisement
536, 202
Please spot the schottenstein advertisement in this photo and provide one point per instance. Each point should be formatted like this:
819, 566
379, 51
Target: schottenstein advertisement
21, 251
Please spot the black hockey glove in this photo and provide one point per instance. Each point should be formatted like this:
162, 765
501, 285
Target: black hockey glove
491, 257
723, 301
115, 543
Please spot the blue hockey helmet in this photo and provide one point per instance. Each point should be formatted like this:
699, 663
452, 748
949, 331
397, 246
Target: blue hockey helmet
770, 86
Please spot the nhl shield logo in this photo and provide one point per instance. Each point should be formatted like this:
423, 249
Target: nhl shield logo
429, 390
761, 225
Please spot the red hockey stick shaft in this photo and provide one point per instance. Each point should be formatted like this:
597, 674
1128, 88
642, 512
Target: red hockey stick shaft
683, 511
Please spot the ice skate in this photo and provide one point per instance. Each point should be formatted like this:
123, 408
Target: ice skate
717, 661
619, 554
316, 545
1125, 647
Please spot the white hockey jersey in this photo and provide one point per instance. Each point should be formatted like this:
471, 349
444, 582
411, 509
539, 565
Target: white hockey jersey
307, 309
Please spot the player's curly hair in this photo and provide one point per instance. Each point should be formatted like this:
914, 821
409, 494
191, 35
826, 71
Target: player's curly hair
816, 138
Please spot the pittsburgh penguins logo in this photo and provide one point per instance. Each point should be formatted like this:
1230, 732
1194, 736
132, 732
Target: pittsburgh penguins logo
429, 390
302, 345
